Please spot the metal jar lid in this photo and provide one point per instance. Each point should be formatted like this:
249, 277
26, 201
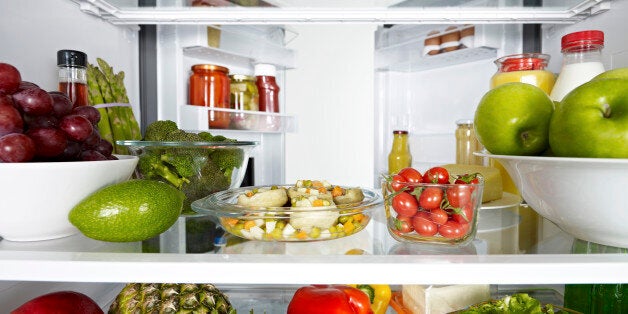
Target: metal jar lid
71, 58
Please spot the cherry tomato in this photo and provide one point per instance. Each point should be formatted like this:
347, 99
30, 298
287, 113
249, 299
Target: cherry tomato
439, 216
458, 195
412, 175
431, 198
465, 215
398, 182
452, 230
473, 178
468, 179
436, 175
403, 224
423, 226
405, 204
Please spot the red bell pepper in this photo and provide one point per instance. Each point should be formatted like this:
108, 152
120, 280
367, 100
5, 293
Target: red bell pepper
329, 299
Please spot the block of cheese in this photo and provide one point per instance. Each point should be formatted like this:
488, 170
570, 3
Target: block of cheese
422, 299
493, 188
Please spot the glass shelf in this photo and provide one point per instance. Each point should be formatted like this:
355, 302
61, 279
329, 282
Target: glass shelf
348, 11
422, 63
247, 262
282, 58
196, 118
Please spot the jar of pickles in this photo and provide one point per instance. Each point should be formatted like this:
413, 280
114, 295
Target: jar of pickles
244, 97
209, 87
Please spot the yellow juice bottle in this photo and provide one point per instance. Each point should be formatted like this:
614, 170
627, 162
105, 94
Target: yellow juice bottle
399, 156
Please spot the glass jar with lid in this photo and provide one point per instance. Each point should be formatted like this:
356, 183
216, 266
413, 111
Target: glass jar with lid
244, 97
209, 87
530, 68
467, 143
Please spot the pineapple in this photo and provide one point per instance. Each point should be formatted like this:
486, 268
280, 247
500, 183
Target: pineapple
171, 298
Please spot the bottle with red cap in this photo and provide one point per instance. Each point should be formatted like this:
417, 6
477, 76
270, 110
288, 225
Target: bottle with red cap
582, 60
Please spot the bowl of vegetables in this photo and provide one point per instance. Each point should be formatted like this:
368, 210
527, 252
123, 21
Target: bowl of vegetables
197, 163
585, 197
432, 208
309, 210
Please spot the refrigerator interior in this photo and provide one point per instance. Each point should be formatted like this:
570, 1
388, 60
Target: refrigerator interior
342, 101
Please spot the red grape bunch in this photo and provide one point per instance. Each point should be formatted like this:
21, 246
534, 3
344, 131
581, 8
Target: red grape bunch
36, 125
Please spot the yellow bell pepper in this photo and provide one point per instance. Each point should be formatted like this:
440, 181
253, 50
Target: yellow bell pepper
379, 295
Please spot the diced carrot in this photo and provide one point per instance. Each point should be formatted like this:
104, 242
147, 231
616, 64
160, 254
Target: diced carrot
337, 191
249, 194
317, 184
249, 224
348, 227
302, 235
318, 202
322, 190
358, 217
230, 221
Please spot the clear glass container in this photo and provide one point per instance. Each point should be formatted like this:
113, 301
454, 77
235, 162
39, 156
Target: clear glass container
209, 87
286, 223
399, 156
72, 68
530, 68
467, 143
244, 96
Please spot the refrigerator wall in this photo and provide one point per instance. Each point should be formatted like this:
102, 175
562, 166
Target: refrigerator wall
32, 31
612, 22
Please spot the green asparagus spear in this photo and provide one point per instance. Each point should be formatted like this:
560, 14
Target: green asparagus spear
119, 94
95, 98
128, 111
115, 119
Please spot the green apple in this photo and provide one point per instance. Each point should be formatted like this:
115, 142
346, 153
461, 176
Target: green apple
513, 119
621, 73
592, 121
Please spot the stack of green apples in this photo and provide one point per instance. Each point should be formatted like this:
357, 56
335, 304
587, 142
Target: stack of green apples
591, 121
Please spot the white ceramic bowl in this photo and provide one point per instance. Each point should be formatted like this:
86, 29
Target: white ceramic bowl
585, 197
37, 196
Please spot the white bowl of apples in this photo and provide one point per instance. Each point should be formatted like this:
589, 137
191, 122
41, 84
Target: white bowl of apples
585, 197
51, 157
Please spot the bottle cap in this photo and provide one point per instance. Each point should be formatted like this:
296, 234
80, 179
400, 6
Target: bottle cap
584, 40
264, 69
209, 67
400, 132
71, 58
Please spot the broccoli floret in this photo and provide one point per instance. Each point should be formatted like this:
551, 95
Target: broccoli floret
206, 136
185, 160
151, 167
211, 180
184, 164
228, 159
182, 136
158, 130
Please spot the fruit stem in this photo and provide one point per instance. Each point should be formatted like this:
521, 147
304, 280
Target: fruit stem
607, 110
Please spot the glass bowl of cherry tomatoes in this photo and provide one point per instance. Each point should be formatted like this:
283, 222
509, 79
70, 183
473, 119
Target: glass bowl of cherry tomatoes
434, 207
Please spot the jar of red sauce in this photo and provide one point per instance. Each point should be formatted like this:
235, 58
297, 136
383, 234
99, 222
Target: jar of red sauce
209, 87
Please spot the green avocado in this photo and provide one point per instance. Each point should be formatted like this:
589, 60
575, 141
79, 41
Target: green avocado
130, 211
